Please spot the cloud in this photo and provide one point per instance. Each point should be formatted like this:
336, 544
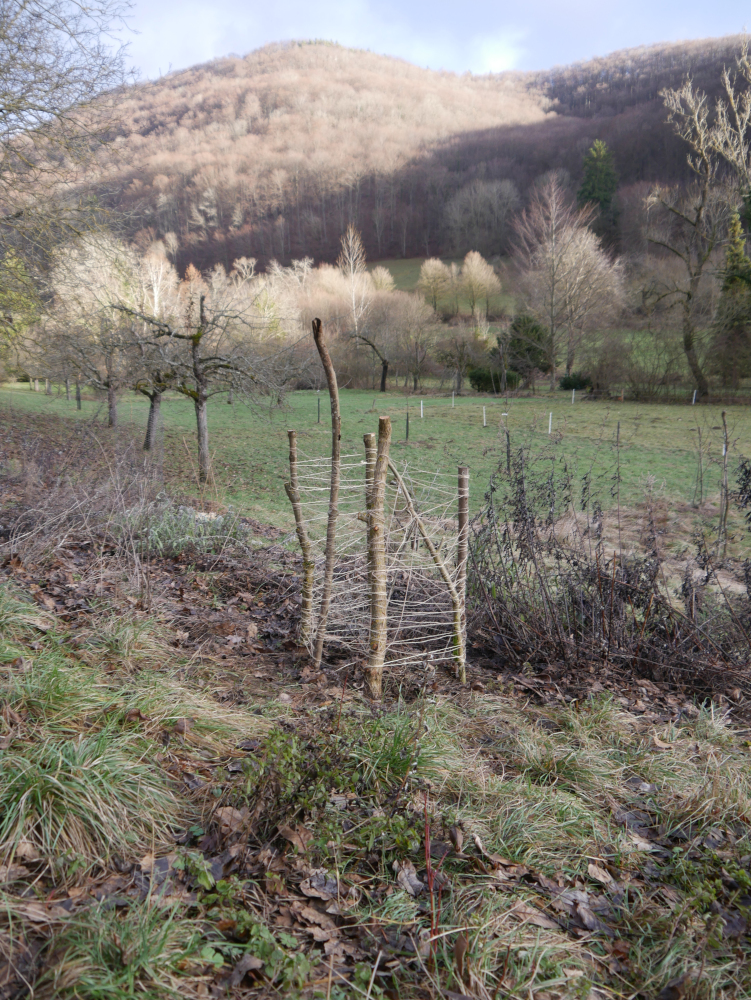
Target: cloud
481, 37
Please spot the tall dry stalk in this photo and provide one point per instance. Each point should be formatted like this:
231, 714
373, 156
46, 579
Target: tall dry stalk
292, 489
336, 435
377, 561
722, 528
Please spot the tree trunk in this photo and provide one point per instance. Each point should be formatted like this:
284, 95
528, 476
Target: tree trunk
36, 385
112, 404
377, 563
78, 395
47, 387
384, 373
689, 348
67, 388
153, 420
414, 383
336, 434
202, 431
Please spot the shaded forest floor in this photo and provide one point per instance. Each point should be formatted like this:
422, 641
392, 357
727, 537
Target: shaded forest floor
187, 808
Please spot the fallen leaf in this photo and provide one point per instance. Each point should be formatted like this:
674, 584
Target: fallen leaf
460, 950
661, 743
230, 820
248, 963
26, 851
298, 836
252, 630
599, 874
675, 989
184, 725
406, 877
12, 873
531, 915
320, 885
456, 836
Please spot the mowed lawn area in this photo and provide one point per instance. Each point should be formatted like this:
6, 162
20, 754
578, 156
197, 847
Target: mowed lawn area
658, 442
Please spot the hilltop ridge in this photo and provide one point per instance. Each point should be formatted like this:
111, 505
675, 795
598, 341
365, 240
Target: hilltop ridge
272, 154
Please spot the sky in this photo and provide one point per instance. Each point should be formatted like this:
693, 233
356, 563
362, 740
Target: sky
478, 36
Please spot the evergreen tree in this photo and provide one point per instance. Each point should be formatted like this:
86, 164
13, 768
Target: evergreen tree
736, 272
600, 179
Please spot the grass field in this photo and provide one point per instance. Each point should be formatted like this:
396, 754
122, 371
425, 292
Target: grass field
658, 443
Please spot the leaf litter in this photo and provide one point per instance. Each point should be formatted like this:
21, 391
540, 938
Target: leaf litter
542, 833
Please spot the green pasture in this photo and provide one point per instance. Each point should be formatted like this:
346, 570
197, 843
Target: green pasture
653, 444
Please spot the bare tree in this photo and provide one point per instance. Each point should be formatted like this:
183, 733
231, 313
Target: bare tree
478, 215
555, 256
435, 280
730, 135
205, 344
479, 281
689, 223
60, 67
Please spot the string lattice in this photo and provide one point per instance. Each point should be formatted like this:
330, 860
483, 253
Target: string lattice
419, 604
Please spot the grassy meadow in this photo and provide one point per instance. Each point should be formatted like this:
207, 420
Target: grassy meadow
656, 446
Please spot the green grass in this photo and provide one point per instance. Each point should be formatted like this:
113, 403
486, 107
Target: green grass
657, 441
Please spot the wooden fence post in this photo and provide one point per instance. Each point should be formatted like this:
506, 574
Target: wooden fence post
462, 552
377, 560
336, 434
292, 489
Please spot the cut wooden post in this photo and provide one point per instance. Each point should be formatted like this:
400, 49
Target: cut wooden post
369, 441
459, 644
336, 434
292, 489
462, 551
377, 563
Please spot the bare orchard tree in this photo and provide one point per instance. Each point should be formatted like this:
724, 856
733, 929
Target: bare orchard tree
567, 276
81, 334
689, 222
206, 342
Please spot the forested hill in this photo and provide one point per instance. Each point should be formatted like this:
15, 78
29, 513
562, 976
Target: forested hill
271, 155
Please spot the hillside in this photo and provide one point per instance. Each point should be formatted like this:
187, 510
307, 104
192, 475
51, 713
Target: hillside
272, 155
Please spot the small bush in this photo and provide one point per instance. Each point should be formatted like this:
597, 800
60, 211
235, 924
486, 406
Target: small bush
576, 380
165, 529
485, 380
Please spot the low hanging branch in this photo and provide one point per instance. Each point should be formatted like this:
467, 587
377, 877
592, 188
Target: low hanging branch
336, 434
457, 604
292, 489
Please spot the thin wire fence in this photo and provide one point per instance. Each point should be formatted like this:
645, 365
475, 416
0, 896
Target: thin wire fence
419, 604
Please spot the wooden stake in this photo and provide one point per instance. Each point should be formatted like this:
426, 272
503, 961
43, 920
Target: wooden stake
292, 489
377, 563
462, 551
336, 435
